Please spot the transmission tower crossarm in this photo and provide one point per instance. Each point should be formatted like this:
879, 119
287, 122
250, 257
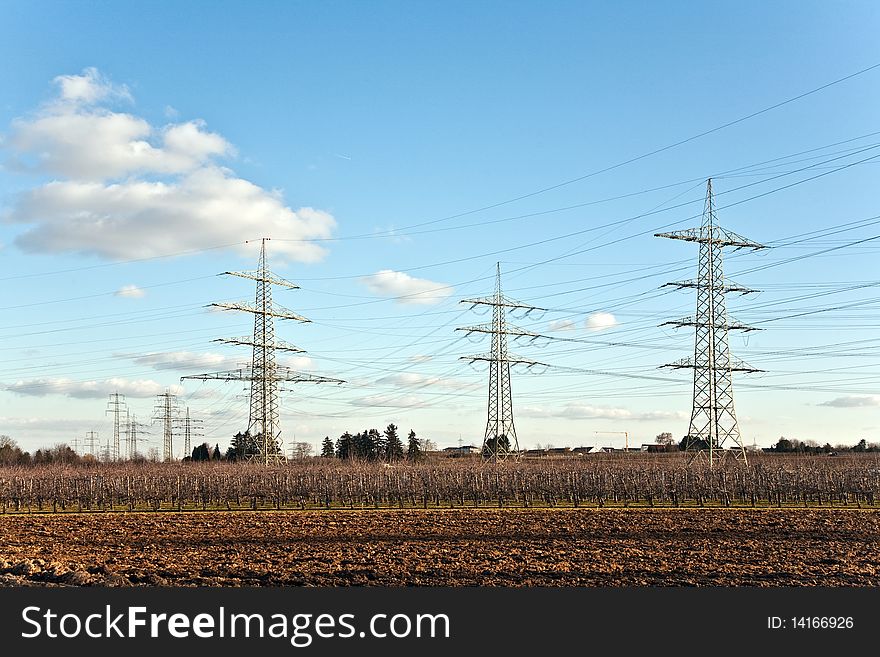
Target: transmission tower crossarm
273, 311
510, 359
718, 237
727, 326
728, 287
736, 365
514, 331
292, 376
247, 374
268, 278
278, 345
502, 302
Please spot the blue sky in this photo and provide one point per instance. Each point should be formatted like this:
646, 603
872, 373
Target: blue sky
381, 146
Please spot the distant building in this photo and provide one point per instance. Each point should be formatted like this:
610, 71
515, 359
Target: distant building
462, 450
652, 447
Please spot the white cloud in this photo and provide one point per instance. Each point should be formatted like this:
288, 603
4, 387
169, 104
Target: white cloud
89, 389
400, 401
410, 379
130, 291
853, 401
405, 288
88, 88
298, 362
562, 325
174, 360
188, 360
124, 188
600, 321
580, 411
26, 424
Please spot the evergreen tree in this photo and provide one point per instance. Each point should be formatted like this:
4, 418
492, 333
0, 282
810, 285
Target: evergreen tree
374, 444
413, 448
215, 455
243, 445
494, 446
344, 446
393, 445
201, 453
327, 450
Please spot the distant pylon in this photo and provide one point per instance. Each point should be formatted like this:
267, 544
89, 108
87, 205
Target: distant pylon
134, 428
713, 418
92, 443
500, 441
191, 427
264, 424
166, 412
187, 435
116, 403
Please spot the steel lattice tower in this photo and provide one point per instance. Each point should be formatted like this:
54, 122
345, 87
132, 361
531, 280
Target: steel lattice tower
265, 376
187, 435
166, 411
713, 418
133, 427
115, 405
190, 427
500, 441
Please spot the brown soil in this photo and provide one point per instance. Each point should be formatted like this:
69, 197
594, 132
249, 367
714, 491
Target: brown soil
481, 547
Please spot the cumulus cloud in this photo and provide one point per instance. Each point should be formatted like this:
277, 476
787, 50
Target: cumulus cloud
601, 321
562, 325
89, 389
396, 401
26, 424
123, 188
405, 288
579, 411
130, 291
410, 379
188, 360
853, 401
176, 360
89, 87
298, 362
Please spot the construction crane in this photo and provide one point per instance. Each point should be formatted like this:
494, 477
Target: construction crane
625, 435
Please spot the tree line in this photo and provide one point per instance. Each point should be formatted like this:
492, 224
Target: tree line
371, 445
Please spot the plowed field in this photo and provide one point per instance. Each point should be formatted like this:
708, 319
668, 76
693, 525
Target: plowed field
480, 547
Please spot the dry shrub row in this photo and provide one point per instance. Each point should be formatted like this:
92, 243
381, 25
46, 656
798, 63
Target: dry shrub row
655, 480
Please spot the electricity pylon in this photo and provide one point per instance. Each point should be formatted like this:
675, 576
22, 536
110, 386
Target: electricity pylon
500, 441
115, 406
263, 435
133, 429
92, 442
190, 428
166, 411
713, 418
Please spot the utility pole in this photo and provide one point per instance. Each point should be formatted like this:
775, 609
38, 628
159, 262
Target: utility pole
713, 418
166, 410
263, 435
115, 405
500, 440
